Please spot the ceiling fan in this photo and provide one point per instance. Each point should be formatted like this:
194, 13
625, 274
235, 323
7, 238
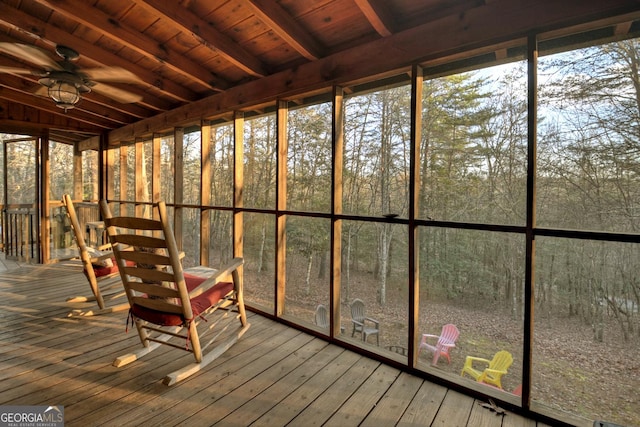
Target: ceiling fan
63, 81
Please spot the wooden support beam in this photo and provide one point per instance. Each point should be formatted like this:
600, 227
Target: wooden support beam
140, 173
281, 205
414, 210
205, 192
337, 155
178, 174
238, 184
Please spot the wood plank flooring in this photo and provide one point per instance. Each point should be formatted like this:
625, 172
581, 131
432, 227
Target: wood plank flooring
274, 376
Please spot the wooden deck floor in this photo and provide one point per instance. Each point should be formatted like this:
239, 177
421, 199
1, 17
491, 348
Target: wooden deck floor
274, 376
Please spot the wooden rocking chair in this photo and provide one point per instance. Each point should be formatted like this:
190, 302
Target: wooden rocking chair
99, 269
167, 303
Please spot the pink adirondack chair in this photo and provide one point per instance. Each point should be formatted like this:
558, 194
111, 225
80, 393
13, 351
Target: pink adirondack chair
445, 342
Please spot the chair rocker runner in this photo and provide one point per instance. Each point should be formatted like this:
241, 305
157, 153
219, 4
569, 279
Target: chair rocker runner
167, 304
99, 269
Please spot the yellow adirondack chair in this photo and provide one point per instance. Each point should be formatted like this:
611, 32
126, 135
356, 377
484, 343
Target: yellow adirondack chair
492, 374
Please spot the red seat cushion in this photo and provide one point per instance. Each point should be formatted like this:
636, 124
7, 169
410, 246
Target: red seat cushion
100, 270
198, 304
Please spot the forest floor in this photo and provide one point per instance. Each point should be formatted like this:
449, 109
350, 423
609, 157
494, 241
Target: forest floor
571, 371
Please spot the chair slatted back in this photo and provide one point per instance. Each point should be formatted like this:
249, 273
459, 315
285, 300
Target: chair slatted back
449, 334
97, 266
501, 361
357, 310
146, 252
322, 316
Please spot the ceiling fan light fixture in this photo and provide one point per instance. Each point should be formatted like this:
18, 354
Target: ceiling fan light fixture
64, 94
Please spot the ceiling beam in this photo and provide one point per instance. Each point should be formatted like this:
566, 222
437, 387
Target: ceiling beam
24, 119
498, 22
378, 15
90, 118
99, 21
183, 19
281, 23
623, 28
50, 35
30, 83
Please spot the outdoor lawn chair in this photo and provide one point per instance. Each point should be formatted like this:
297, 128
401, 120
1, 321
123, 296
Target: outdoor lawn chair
445, 342
492, 374
100, 270
167, 304
360, 322
321, 316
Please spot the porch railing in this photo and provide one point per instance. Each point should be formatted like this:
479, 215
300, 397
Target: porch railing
20, 238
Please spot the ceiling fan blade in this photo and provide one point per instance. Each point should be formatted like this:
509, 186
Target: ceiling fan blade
16, 70
41, 91
115, 93
32, 54
111, 74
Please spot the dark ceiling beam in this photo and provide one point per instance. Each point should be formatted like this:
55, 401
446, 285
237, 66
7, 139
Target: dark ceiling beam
175, 14
378, 15
281, 23
443, 9
623, 28
81, 120
99, 21
80, 114
21, 90
68, 138
51, 35
42, 128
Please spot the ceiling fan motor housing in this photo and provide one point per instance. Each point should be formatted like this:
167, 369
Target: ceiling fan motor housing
67, 53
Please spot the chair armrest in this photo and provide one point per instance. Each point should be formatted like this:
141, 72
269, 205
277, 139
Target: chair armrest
105, 247
447, 344
494, 371
372, 321
102, 257
471, 359
232, 266
425, 338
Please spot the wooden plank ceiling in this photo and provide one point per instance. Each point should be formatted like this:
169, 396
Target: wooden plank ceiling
184, 52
